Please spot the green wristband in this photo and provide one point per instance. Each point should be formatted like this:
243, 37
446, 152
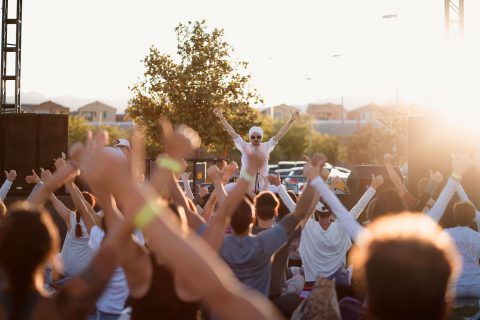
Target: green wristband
146, 214
169, 164
247, 177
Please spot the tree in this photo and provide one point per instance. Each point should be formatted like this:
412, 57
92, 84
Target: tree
204, 78
77, 129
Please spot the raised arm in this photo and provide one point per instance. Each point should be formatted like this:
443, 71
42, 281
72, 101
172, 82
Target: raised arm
377, 181
217, 112
215, 232
282, 192
397, 181
61, 209
10, 176
460, 164
281, 133
186, 185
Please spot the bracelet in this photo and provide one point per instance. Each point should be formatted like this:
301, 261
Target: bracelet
247, 177
146, 214
456, 176
169, 164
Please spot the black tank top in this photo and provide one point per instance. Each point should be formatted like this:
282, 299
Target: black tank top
161, 300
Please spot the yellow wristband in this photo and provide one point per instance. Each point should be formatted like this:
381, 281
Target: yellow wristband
247, 177
169, 164
456, 176
146, 214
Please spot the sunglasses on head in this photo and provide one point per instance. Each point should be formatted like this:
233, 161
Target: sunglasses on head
255, 137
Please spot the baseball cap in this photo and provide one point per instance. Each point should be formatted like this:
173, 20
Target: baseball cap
121, 143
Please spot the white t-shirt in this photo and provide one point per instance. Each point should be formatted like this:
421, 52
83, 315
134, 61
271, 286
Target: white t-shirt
76, 253
245, 148
116, 292
323, 252
467, 242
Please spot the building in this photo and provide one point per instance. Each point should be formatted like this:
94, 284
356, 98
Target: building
48, 107
327, 111
366, 113
98, 112
281, 111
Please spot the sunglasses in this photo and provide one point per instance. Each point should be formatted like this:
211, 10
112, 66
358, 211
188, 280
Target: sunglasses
256, 137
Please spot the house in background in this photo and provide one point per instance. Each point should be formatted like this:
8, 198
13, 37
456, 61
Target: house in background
366, 113
327, 111
281, 111
48, 107
98, 112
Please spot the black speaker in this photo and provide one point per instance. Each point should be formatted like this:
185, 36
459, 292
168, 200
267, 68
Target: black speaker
30, 141
52, 133
20, 148
361, 177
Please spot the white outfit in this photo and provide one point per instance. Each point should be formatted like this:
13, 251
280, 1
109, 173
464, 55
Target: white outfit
116, 293
323, 252
245, 148
4, 189
76, 253
467, 242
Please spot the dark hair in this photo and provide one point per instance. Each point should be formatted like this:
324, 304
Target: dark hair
242, 216
464, 213
28, 237
282, 209
325, 213
266, 205
386, 201
407, 265
92, 201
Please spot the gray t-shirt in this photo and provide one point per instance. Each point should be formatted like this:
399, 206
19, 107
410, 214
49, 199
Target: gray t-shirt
250, 257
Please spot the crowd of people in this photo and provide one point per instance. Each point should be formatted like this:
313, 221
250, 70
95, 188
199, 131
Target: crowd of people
140, 248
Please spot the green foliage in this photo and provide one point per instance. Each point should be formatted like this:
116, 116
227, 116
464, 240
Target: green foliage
329, 145
77, 129
205, 77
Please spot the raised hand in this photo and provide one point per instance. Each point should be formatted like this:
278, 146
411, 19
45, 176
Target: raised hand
33, 179
377, 181
294, 115
311, 171
255, 161
180, 142
275, 180
202, 191
60, 163
214, 173
217, 112
11, 175
229, 170
436, 176
45, 175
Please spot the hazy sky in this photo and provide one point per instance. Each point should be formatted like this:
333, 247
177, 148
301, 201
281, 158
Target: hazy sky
93, 48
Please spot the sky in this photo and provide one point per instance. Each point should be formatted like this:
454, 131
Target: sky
299, 52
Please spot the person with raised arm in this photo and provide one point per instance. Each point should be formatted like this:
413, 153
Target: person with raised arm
29, 239
324, 244
255, 135
460, 164
196, 264
10, 176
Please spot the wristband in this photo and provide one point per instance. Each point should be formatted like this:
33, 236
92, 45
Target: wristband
247, 177
146, 214
456, 176
169, 164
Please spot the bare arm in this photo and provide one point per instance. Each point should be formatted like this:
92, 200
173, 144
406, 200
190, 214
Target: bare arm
283, 131
225, 123
85, 211
61, 209
397, 181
